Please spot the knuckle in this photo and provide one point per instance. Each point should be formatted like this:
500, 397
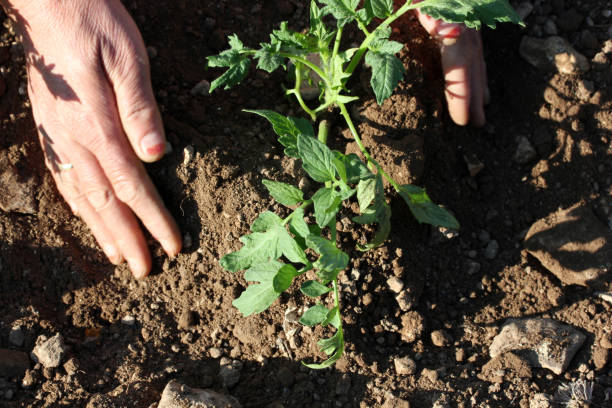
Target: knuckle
99, 198
129, 191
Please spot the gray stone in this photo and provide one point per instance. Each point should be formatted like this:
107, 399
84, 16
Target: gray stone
201, 88
13, 363
525, 152
177, 395
229, 371
542, 342
553, 54
574, 246
491, 250
524, 9
405, 366
541, 400
16, 336
49, 351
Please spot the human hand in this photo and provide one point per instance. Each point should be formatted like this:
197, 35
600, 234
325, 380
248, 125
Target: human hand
90, 89
464, 69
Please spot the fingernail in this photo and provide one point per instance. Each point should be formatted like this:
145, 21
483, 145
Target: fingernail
170, 248
138, 268
112, 254
448, 31
153, 144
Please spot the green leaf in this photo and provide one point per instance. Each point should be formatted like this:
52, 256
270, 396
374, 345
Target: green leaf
387, 72
473, 13
298, 224
333, 318
366, 192
425, 210
292, 250
287, 128
343, 10
333, 346
265, 221
326, 205
332, 259
317, 159
232, 76
380, 8
258, 247
383, 219
263, 272
268, 58
258, 297
283, 278
285, 194
314, 288
355, 169
314, 315
237, 63
340, 168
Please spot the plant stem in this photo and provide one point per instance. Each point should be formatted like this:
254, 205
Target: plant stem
370, 37
304, 205
296, 91
364, 151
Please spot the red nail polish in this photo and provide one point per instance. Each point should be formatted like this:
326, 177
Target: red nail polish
156, 150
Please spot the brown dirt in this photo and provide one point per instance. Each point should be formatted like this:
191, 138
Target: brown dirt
54, 279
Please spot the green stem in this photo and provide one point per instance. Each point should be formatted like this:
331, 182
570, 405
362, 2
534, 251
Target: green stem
304, 205
370, 37
364, 151
337, 304
296, 91
337, 43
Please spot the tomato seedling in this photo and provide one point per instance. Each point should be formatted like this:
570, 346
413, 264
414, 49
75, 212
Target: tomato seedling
280, 249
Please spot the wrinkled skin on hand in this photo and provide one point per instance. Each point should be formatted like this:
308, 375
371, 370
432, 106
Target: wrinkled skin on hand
94, 108
464, 69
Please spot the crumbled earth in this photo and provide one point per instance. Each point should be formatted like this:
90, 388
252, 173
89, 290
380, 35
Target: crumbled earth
125, 340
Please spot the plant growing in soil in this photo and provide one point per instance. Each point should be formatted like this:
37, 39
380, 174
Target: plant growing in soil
280, 249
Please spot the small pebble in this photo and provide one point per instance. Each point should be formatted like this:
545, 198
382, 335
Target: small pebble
440, 338
128, 320
491, 250
395, 284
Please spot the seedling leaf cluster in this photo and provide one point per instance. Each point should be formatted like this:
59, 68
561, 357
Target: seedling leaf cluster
278, 250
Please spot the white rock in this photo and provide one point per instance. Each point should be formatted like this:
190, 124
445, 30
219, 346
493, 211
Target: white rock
405, 366
188, 152
177, 395
542, 342
128, 320
49, 352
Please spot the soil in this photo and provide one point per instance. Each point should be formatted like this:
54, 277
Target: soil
54, 279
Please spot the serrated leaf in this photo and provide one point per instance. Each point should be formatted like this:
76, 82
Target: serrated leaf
263, 272
314, 288
268, 58
265, 221
387, 72
314, 315
379, 8
333, 318
258, 297
285, 194
343, 10
258, 247
326, 205
298, 224
232, 76
317, 159
287, 128
292, 250
332, 259
366, 192
473, 13
425, 210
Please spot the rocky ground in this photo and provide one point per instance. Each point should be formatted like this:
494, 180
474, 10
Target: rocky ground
514, 309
